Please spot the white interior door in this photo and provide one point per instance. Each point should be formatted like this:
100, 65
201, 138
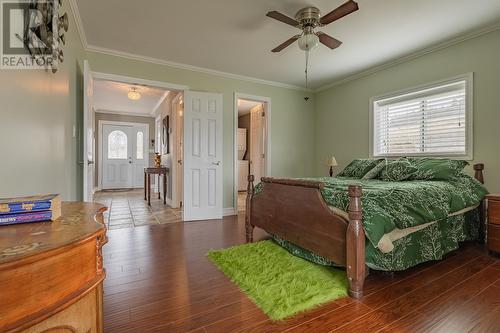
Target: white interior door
257, 143
88, 157
202, 156
117, 156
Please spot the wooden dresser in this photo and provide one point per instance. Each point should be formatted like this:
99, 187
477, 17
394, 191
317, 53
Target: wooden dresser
494, 222
51, 273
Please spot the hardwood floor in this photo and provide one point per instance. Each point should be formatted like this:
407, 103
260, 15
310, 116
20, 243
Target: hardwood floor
159, 280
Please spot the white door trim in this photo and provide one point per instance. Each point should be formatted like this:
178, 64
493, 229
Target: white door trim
136, 80
101, 123
267, 110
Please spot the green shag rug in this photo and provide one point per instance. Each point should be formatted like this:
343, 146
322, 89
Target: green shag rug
278, 282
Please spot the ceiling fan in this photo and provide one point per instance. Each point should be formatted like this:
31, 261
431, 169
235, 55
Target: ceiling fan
309, 18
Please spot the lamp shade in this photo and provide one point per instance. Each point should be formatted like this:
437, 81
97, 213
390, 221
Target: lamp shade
332, 162
134, 94
308, 41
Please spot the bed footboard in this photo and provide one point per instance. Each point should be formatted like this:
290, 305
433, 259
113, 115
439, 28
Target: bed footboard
295, 211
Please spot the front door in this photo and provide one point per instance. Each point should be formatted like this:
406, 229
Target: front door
124, 155
202, 156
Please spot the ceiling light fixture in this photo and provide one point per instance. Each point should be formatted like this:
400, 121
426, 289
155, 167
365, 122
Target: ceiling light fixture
133, 94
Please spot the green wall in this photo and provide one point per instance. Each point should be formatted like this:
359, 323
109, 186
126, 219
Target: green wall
342, 112
38, 152
292, 118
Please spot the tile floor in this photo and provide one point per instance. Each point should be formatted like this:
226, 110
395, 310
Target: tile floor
128, 209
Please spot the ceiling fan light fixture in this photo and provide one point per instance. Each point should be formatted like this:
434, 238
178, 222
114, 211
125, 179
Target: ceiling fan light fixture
133, 94
308, 42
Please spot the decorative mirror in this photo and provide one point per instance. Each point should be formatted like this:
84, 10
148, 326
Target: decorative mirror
166, 135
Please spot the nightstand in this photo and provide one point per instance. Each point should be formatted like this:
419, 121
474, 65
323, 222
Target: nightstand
493, 222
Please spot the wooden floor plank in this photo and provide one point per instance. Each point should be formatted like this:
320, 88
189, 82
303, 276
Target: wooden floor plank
415, 299
393, 291
160, 280
270, 326
446, 304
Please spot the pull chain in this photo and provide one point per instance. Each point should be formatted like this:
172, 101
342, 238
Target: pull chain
307, 65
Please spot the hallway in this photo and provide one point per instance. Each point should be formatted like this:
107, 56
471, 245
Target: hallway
128, 209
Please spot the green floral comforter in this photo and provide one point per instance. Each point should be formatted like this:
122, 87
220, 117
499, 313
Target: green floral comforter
404, 204
390, 205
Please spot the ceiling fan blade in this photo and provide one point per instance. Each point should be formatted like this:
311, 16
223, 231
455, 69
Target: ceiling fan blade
345, 9
282, 18
285, 44
328, 40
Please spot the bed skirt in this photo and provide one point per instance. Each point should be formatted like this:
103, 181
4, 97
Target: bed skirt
430, 243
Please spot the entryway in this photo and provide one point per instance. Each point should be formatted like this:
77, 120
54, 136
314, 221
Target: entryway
252, 142
127, 209
131, 119
124, 152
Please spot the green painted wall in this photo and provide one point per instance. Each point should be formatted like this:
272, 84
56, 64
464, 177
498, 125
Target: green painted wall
38, 111
292, 118
342, 112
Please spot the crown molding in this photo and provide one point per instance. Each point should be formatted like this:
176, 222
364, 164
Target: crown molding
162, 98
132, 56
412, 56
124, 113
79, 24
91, 48
361, 74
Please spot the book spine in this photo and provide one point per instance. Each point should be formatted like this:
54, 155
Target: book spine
25, 218
23, 207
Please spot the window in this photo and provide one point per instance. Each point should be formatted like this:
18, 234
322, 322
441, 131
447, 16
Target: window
117, 145
431, 120
140, 146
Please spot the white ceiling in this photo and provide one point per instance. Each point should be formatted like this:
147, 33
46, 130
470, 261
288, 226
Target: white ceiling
110, 96
235, 36
244, 106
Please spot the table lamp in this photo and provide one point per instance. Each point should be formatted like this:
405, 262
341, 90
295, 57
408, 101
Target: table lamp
333, 163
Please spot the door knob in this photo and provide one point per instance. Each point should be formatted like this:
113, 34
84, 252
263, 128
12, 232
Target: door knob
216, 163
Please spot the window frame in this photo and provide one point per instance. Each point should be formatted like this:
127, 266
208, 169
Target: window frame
469, 117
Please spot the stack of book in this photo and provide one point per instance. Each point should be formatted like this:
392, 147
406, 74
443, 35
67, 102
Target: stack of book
30, 209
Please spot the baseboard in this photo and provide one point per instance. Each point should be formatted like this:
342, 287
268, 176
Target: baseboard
230, 211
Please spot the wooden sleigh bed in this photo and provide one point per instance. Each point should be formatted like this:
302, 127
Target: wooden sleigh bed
295, 211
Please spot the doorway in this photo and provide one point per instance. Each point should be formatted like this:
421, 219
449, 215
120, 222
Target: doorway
252, 143
124, 154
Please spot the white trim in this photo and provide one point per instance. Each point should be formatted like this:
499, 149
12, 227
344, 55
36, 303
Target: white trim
230, 211
352, 77
267, 110
162, 98
100, 125
79, 24
469, 114
138, 81
132, 56
145, 115
411, 56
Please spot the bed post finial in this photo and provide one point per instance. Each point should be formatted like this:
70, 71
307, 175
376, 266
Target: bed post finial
248, 209
478, 168
355, 240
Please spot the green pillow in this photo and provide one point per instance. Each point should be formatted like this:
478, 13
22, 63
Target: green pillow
359, 167
436, 168
373, 173
398, 170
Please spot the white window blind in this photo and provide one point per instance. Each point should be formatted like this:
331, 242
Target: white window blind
427, 121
